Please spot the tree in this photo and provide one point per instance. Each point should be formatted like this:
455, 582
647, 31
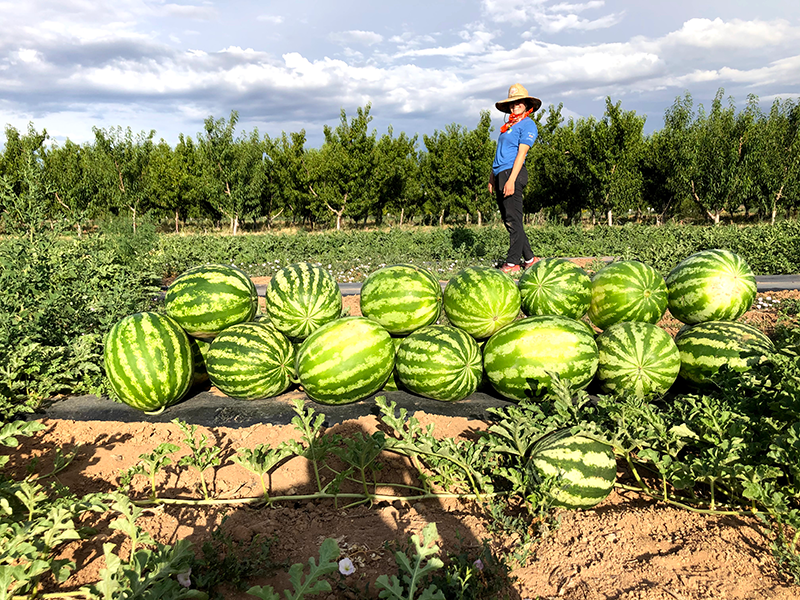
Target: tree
478, 153
396, 170
233, 169
18, 151
558, 173
774, 165
717, 168
340, 172
66, 173
666, 163
122, 162
174, 179
615, 150
455, 169
288, 184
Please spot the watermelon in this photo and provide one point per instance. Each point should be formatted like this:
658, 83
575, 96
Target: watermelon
711, 285
627, 290
402, 298
706, 347
393, 383
637, 358
251, 361
518, 358
345, 360
555, 286
148, 361
199, 353
440, 362
205, 300
481, 300
585, 469
301, 298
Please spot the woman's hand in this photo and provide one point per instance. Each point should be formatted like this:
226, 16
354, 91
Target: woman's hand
491, 188
508, 188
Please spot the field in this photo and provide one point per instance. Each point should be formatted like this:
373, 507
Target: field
630, 546
706, 503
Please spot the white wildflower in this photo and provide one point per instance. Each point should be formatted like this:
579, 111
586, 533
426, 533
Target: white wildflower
346, 566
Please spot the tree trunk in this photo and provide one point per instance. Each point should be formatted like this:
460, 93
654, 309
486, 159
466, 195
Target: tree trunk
441, 219
610, 218
402, 214
133, 218
480, 219
235, 224
177, 227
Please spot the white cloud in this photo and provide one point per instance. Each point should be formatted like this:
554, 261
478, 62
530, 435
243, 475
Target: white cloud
734, 34
356, 36
118, 63
556, 23
274, 19
202, 13
478, 42
28, 55
549, 17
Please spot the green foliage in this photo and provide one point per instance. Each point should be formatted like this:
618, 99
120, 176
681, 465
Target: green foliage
468, 575
202, 456
413, 570
305, 585
35, 524
153, 570
150, 464
224, 561
262, 459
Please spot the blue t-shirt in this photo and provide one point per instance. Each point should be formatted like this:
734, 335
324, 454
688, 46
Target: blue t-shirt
524, 132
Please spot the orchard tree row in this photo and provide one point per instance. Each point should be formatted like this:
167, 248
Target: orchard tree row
702, 162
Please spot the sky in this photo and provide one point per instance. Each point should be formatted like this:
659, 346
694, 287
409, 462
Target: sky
70, 65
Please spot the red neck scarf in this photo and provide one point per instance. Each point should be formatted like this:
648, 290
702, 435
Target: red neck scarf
514, 119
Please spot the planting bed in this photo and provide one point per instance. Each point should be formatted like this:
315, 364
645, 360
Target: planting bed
628, 547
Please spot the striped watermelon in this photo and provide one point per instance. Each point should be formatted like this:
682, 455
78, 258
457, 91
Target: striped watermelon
402, 298
706, 347
251, 361
711, 285
199, 353
585, 468
481, 300
555, 286
345, 360
628, 290
393, 383
518, 358
148, 361
439, 362
205, 300
637, 358
301, 298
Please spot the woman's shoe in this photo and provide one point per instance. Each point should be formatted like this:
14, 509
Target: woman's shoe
529, 263
507, 268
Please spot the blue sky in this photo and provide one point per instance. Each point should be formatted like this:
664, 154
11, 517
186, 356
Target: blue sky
69, 65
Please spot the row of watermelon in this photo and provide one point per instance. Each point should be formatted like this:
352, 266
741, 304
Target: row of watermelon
343, 360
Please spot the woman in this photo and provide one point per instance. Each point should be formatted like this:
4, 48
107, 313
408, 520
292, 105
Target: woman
509, 176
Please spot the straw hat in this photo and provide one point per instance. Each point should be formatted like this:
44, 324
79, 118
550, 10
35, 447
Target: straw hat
518, 92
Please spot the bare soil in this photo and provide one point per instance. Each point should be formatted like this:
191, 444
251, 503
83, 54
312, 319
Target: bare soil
629, 547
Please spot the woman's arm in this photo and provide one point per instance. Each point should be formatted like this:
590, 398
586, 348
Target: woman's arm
519, 161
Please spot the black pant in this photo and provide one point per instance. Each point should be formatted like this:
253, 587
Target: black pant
511, 211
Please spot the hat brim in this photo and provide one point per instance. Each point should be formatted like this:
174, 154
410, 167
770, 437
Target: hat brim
530, 101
